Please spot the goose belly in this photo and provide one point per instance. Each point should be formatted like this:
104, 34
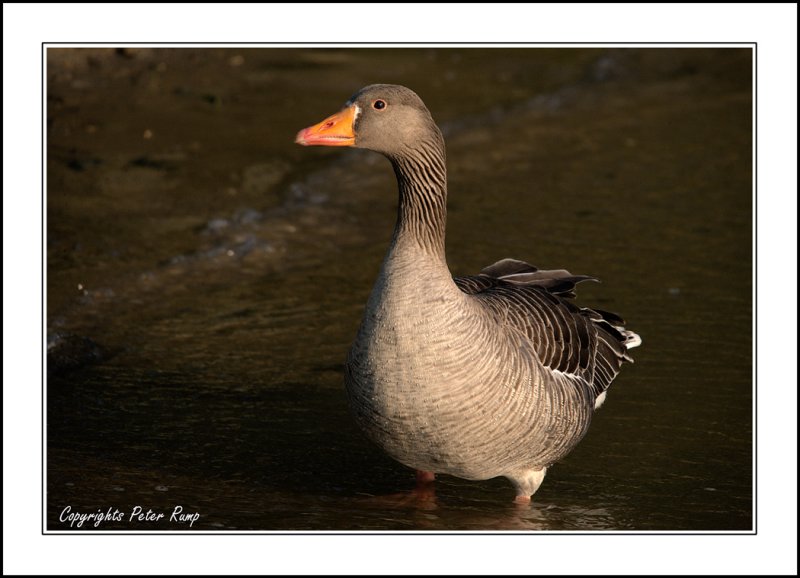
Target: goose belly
438, 394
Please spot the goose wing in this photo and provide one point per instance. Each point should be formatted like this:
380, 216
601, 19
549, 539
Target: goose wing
589, 345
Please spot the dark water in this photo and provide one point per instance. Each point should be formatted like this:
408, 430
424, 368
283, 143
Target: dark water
205, 277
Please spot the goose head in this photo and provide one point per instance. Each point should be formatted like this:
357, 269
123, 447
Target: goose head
386, 118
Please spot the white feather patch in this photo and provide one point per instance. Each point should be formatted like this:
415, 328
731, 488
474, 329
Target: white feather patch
632, 339
600, 399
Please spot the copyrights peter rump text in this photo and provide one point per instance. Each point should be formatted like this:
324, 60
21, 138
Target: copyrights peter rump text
137, 515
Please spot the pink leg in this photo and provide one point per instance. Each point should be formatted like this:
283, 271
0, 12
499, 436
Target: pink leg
423, 496
425, 477
527, 482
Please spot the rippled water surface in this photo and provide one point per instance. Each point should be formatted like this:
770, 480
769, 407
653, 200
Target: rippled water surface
205, 277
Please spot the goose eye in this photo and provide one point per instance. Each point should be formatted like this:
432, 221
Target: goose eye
379, 104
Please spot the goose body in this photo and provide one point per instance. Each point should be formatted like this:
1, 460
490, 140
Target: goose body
496, 374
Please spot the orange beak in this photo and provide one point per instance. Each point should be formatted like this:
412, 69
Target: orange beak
334, 131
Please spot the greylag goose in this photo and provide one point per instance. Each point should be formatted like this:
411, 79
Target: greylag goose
496, 374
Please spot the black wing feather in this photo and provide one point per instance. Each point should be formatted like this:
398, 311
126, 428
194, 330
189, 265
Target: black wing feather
589, 344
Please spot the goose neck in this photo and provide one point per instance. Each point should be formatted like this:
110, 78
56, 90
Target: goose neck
422, 208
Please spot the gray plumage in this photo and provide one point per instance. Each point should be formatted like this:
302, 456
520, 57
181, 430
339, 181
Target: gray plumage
496, 374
